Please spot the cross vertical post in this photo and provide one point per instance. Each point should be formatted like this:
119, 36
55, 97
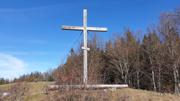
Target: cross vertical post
85, 49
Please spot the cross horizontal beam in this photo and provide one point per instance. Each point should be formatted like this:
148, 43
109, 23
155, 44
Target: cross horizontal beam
79, 28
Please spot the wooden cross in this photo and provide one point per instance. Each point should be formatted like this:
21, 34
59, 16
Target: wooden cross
85, 28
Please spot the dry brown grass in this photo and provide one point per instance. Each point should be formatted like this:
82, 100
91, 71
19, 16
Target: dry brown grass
125, 94
35, 93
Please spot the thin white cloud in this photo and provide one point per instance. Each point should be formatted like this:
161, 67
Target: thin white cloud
32, 9
33, 53
19, 40
10, 66
37, 41
27, 53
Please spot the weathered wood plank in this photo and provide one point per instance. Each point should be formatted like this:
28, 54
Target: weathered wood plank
98, 86
97, 29
78, 28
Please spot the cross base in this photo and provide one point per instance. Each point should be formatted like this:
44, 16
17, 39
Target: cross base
93, 86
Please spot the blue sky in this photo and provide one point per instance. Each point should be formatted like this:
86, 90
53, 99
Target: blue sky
31, 38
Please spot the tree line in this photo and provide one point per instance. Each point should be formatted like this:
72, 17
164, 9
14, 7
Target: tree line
35, 77
31, 77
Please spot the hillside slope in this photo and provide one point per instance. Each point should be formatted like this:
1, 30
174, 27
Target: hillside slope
34, 91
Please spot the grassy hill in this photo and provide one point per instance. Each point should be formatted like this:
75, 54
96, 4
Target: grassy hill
31, 91
34, 91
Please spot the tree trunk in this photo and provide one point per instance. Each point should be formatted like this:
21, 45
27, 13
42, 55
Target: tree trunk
175, 73
126, 73
153, 81
122, 72
137, 74
125, 78
159, 79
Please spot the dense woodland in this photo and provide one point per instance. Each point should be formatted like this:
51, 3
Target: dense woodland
149, 62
